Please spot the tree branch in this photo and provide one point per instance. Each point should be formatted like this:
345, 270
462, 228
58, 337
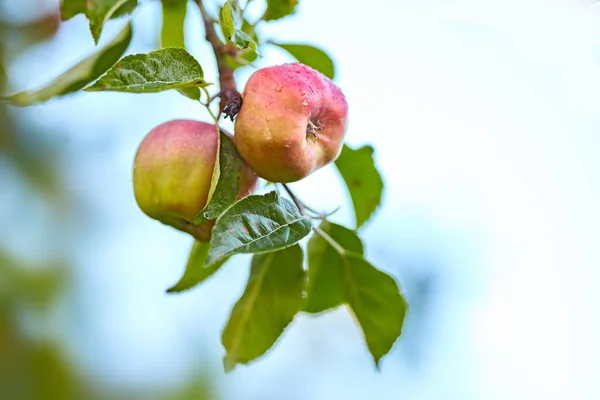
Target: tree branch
231, 99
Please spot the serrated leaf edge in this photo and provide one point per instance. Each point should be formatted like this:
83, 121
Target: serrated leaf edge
277, 196
179, 85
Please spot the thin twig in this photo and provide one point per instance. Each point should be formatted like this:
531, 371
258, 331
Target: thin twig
301, 206
207, 105
304, 209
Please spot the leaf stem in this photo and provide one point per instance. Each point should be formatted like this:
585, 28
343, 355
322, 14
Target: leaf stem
305, 210
207, 105
338, 247
301, 206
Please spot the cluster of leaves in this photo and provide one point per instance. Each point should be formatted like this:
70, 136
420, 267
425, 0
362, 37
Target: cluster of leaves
268, 226
235, 28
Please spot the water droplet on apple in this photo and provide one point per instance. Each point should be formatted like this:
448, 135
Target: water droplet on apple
267, 133
268, 102
279, 87
305, 102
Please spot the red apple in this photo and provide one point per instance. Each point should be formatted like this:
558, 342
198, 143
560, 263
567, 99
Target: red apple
292, 121
172, 174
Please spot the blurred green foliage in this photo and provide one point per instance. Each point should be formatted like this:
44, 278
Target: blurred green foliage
18, 145
31, 368
34, 364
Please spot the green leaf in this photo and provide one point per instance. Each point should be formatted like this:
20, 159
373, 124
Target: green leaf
226, 21
227, 187
236, 12
279, 8
249, 55
362, 179
70, 8
100, 11
172, 34
325, 267
231, 18
126, 8
96, 11
243, 41
214, 180
170, 68
372, 295
248, 28
375, 300
196, 270
81, 74
311, 56
173, 19
272, 298
190, 92
257, 224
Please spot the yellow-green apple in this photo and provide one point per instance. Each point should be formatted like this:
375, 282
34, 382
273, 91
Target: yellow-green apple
292, 122
172, 174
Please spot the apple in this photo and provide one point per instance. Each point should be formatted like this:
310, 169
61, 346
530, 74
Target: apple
292, 121
172, 174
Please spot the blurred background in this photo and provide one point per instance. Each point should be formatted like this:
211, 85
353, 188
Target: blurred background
484, 115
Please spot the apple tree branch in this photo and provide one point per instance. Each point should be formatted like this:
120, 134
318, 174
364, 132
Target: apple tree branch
231, 99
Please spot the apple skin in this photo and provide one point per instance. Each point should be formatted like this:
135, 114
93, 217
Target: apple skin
292, 121
172, 174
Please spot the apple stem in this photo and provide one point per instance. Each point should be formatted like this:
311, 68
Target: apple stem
312, 127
